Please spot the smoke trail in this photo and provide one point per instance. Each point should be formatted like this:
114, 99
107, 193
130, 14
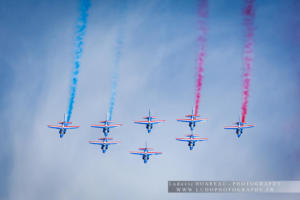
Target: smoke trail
249, 14
118, 53
80, 32
202, 13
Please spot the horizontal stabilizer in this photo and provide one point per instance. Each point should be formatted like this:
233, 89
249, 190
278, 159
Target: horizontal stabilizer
137, 152
192, 115
64, 122
106, 121
145, 148
191, 139
104, 142
104, 138
192, 120
189, 135
152, 117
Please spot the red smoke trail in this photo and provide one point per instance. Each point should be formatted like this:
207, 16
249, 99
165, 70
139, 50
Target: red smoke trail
249, 14
202, 13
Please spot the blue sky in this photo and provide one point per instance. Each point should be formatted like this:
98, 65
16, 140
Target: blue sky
157, 71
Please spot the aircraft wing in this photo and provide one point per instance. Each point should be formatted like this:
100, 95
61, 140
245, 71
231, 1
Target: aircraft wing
112, 142
71, 127
141, 122
103, 126
156, 121
184, 120
65, 127
149, 122
137, 153
237, 127
231, 127
153, 153
184, 139
102, 143
190, 120
56, 127
247, 126
191, 139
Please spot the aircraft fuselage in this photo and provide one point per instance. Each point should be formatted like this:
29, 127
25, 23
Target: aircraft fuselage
191, 144
145, 158
149, 127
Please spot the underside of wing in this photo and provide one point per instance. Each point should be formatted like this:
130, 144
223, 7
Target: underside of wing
98, 126
136, 153
153, 153
96, 142
141, 122
71, 127
247, 126
102, 142
184, 139
184, 120
231, 127
113, 142
199, 139
56, 127
114, 125
156, 121
200, 120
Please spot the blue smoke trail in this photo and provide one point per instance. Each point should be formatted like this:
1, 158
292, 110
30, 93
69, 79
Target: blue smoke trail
118, 53
80, 32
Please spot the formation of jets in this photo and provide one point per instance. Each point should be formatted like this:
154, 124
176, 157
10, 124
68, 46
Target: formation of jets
149, 121
105, 141
192, 138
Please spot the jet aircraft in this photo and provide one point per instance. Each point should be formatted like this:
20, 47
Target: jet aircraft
106, 126
149, 122
104, 143
63, 127
192, 120
239, 127
145, 153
